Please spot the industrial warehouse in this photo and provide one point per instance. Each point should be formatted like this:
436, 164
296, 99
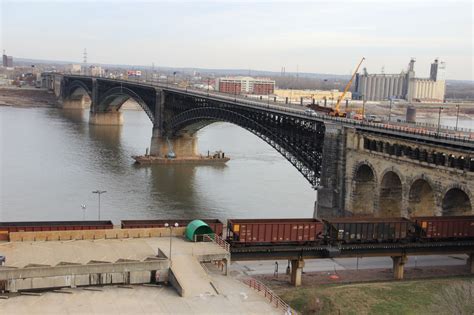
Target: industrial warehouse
379, 87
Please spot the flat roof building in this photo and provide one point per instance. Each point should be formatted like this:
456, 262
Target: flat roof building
7, 61
245, 85
378, 87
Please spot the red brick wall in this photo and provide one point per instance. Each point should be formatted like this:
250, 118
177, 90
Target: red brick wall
230, 87
263, 88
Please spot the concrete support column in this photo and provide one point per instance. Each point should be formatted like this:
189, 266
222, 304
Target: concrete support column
398, 266
74, 103
155, 144
12, 286
183, 145
470, 262
226, 266
73, 281
112, 118
296, 272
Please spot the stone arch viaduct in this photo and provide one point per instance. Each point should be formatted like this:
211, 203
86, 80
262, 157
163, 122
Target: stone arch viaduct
357, 168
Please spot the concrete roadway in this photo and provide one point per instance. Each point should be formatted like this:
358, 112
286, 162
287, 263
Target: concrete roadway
315, 265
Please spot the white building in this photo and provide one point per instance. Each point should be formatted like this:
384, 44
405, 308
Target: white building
73, 68
96, 71
378, 87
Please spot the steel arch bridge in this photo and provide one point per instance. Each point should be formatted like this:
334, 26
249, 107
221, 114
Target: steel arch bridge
298, 140
172, 112
323, 149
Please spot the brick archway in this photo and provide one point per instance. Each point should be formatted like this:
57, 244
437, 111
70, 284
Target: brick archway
364, 184
391, 195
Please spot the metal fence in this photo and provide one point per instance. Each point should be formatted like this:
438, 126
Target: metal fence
274, 299
213, 238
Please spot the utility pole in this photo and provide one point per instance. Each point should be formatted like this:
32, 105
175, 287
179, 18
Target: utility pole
390, 112
99, 192
457, 117
439, 119
85, 60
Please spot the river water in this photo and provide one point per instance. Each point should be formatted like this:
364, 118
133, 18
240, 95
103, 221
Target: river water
51, 160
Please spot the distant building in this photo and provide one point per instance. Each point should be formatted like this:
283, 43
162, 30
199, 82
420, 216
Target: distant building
245, 85
96, 71
378, 87
7, 61
134, 73
73, 68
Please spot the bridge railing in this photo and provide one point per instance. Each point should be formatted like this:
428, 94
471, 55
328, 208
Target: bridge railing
274, 299
467, 137
213, 238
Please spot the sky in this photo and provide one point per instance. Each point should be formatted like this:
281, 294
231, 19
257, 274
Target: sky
310, 36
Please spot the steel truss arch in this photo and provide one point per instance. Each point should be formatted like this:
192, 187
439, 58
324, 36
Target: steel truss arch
122, 94
74, 85
306, 163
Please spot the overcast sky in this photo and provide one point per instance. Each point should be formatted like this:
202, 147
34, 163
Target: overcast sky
314, 36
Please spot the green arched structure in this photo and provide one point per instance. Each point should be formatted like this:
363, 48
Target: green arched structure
197, 227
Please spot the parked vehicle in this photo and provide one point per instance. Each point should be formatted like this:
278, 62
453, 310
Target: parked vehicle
310, 112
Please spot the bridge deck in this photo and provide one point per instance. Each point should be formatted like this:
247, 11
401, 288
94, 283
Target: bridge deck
354, 250
416, 133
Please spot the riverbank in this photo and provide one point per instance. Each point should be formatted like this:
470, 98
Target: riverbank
453, 295
26, 97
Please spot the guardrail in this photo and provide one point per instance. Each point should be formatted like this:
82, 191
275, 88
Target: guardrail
274, 299
216, 239
301, 112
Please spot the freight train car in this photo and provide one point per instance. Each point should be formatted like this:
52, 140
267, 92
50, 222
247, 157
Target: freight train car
449, 227
216, 225
54, 226
365, 230
270, 231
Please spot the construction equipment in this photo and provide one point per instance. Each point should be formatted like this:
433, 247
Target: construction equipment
336, 112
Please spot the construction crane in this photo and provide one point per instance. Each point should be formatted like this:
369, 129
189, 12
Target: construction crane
336, 112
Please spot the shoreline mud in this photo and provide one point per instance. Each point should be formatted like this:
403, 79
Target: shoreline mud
27, 97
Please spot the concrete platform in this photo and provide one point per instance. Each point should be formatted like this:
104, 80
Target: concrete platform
49, 264
191, 277
21, 254
235, 298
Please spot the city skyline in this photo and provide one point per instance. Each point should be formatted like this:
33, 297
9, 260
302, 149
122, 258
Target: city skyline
245, 35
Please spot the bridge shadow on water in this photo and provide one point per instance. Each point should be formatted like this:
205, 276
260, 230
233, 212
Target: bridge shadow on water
156, 191
175, 191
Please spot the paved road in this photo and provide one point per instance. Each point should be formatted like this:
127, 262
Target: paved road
315, 265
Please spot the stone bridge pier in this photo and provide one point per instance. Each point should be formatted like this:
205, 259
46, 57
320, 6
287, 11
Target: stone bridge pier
76, 102
110, 118
183, 144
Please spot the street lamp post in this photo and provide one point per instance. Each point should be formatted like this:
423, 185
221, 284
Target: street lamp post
363, 107
439, 119
457, 117
83, 207
390, 111
99, 192
170, 227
